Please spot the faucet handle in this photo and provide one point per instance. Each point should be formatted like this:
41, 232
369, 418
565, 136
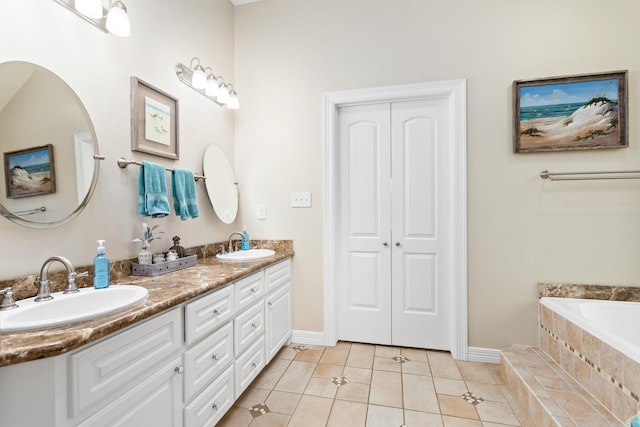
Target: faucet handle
72, 288
8, 302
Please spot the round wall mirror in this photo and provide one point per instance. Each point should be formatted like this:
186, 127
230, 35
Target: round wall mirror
220, 183
49, 148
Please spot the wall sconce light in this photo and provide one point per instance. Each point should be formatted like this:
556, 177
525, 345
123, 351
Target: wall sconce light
108, 15
203, 81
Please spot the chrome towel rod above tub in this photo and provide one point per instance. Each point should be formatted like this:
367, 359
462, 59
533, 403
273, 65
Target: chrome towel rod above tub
584, 176
123, 163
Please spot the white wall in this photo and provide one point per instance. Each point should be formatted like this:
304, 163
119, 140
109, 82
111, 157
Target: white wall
98, 67
521, 230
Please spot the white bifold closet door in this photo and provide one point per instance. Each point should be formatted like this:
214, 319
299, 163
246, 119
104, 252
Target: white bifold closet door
394, 258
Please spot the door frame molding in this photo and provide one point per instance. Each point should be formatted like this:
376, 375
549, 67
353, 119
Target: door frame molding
455, 91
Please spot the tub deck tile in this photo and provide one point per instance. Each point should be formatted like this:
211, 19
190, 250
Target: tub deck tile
550, 395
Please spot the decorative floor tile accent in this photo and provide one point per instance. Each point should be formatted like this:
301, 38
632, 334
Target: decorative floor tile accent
339, 380
400, 359
260, 409
472, 398
300, 348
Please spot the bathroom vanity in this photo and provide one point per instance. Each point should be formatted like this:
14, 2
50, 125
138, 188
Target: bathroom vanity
181, 358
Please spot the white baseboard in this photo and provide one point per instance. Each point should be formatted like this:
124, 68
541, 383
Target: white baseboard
484, 355
306, 337
474, 354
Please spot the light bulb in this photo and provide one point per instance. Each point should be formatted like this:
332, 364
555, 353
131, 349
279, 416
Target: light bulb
198, 79
118, 20
89, 8
212, 86
234, 102
223, 94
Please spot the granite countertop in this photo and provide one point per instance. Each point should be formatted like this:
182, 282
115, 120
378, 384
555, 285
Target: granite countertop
166, 291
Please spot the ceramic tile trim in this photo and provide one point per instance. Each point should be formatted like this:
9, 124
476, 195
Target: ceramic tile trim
165, 292
609, 370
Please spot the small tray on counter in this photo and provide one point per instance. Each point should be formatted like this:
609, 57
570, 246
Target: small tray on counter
163, 267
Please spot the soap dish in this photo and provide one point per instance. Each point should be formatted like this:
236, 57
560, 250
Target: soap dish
163, 267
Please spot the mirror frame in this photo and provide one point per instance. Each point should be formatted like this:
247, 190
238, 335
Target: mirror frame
96, 169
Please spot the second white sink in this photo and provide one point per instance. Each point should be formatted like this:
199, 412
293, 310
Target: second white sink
248, 255
65, 309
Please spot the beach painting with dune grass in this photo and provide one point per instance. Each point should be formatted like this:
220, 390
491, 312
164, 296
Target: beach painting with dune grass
29, 172
570, 113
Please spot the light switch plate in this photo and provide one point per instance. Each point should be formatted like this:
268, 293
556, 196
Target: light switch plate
301, 199
262, 211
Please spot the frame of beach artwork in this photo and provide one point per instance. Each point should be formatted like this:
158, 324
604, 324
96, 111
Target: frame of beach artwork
154, 120
580, 112
29, 172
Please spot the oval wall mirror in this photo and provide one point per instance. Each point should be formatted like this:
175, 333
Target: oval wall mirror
221, 184
49, 148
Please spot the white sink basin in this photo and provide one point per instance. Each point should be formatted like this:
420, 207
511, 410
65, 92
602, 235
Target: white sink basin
248, 255
71, 308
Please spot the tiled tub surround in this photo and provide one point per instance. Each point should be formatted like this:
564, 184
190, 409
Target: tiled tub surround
165, 291
612, 377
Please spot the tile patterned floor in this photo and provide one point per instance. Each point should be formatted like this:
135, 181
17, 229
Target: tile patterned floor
363, 385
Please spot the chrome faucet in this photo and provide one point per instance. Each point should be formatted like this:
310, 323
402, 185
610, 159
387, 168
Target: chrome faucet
44, 292
231, 237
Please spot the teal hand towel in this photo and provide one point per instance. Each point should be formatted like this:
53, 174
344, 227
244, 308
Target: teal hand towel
185, 201
152, 191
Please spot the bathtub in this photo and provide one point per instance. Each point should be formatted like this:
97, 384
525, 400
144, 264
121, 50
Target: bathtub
616, 323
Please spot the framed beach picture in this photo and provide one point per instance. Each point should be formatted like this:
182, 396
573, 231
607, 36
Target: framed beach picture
29, 172
580, 112
154, 120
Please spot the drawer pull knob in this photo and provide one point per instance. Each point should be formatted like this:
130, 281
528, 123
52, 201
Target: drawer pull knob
270, 304
254, 290
254, 325
179, 369
254, 365
216, 311
215, 356
216, 406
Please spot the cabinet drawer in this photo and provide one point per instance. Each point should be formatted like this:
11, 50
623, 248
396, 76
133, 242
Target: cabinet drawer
208, 313
249, 290
210, 405
205, 361
248, 327
277, 275
106, 369
248, 366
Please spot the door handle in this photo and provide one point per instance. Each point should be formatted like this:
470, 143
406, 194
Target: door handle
397, 243
385, 244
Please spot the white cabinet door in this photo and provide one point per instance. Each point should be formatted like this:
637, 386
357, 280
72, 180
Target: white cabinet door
278, 320
104, 371
156, 402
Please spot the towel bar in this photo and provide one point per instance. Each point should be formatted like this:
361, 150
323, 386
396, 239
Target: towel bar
583, 176
123, 163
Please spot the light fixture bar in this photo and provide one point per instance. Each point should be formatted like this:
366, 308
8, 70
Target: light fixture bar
185, 74
99, 23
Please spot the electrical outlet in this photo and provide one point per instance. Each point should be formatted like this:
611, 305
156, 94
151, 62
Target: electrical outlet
301, 199
262, 211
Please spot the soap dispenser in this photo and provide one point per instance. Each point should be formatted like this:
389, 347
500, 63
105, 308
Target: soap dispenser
101, 268
246, 242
